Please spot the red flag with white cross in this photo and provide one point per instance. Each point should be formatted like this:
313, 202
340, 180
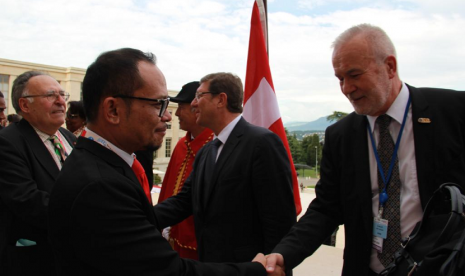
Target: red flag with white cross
260, 103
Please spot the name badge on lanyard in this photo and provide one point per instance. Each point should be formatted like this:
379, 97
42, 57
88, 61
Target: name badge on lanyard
380, 225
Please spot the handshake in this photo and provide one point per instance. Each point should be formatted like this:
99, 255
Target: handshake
273, 263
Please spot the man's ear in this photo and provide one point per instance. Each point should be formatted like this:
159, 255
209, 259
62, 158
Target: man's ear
112, 110
391, 66
222, 100
24, 105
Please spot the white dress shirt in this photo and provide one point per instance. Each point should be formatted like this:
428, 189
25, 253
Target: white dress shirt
128, 158
224, 134
410, 206
51, 148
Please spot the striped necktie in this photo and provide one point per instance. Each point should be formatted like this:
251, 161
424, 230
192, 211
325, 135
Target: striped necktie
58, 147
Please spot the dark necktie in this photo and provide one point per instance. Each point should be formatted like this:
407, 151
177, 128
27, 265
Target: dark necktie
142, 177
210, 163
58, 147
392, 207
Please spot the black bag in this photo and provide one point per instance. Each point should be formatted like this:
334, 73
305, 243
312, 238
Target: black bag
436, 245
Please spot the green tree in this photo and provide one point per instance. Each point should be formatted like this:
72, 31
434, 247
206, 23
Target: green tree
313, 150
336, 116
294, 146
306, 148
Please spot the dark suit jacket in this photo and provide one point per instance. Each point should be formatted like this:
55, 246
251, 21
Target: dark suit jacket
249, 206
101, 223
344, 190
27, 175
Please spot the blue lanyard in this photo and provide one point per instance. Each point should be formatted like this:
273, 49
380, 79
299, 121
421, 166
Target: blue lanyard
383, 197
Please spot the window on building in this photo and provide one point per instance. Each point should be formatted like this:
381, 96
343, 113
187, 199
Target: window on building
4, 87
168, 125
168, 147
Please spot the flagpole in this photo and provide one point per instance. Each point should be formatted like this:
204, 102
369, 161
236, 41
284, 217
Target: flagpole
266, 29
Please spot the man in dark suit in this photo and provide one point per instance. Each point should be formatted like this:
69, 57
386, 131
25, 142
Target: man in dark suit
244, 203
101, 221
430, 152
29, 167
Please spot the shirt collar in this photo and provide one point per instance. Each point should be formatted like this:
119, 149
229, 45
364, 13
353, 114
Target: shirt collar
43, 136
128, 158
224, 134
397, 109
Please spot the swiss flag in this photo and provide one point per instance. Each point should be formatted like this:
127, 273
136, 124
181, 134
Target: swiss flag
260, 103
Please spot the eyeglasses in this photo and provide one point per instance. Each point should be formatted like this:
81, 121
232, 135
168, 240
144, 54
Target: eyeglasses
199, 95
71, 116
163, 102
51, 97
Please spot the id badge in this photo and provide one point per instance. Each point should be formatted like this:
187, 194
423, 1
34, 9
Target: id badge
380, 227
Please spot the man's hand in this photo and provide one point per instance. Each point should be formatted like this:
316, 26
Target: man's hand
278, 267
275, 264
166, 233
260, 258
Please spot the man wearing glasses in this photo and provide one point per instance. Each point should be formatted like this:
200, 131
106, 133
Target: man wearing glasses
32, 154
240, 189
101, 219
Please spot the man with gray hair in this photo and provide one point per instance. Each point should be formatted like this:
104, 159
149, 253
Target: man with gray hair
426, 126
32, 154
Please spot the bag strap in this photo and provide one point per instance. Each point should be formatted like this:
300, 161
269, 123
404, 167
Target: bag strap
456, 214
456, 259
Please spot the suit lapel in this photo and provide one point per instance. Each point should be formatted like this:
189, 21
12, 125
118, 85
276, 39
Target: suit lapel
228, 148
70, 138
38, 148
424, 146
362, 179
199, 173
111, 158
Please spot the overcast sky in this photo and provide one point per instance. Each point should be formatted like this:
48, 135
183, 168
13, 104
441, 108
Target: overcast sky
192, 38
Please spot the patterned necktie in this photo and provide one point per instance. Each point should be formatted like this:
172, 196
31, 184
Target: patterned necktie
142, 177
58, 147
391, 210
210, 163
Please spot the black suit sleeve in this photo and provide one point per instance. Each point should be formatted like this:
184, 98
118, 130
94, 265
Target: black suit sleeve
272, 189
120, 231
175, 209
322, 216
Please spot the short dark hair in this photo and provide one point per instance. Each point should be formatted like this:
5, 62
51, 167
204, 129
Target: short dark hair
19, 87
113, 72
13, 118
1, 95
229, 84
76, 107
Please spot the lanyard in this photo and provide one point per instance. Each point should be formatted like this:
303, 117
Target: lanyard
383, 197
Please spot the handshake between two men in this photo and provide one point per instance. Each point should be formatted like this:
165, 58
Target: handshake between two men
273, 263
